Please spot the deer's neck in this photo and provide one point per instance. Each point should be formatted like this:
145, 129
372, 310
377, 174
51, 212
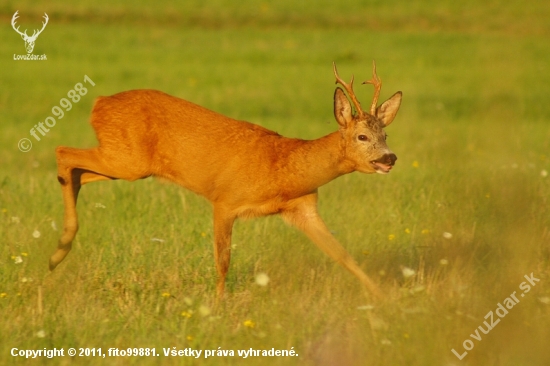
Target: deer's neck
320, 161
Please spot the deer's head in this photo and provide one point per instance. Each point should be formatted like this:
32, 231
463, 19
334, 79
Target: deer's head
363, 133
29, 40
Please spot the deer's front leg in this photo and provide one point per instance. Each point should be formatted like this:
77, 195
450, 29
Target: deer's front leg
303, 214
223, 226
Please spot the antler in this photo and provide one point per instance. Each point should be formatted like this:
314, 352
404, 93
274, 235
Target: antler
377, 82
24, 34
13, 21
43, 25
349, 89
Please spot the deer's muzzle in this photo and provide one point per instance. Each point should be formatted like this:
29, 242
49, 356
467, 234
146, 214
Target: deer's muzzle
384, 164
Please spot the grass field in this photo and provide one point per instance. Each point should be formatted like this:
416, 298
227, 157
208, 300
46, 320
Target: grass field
466, 207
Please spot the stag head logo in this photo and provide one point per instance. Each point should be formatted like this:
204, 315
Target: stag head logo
29, 40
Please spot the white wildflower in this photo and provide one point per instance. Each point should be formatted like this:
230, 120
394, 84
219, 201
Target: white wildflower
262, 279
408, 272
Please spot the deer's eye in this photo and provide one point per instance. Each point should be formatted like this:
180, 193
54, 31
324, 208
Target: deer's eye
362, 138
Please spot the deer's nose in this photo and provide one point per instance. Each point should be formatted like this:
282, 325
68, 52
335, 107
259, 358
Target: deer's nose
392, 158
388, 159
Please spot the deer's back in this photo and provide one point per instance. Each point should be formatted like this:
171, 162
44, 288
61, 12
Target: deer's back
202, 150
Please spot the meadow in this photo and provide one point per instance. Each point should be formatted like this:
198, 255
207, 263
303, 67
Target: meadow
449, 235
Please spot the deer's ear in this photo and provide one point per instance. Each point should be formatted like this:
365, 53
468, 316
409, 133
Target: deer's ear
387, 110
342, 108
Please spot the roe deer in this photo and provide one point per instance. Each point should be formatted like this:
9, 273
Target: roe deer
243, 169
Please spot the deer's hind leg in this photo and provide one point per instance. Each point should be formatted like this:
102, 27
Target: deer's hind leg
76, 167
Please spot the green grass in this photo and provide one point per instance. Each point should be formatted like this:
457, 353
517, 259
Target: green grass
472, 139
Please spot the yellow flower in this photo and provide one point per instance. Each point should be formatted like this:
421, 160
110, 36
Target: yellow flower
391, 237
415, 164
425, 231
3, 294
187, 314
165, 294
249, 323
203, 234
25, 254
407, 231
189, 338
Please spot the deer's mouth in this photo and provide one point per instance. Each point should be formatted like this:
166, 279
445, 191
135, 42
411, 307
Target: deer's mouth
381, 168
384, 164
